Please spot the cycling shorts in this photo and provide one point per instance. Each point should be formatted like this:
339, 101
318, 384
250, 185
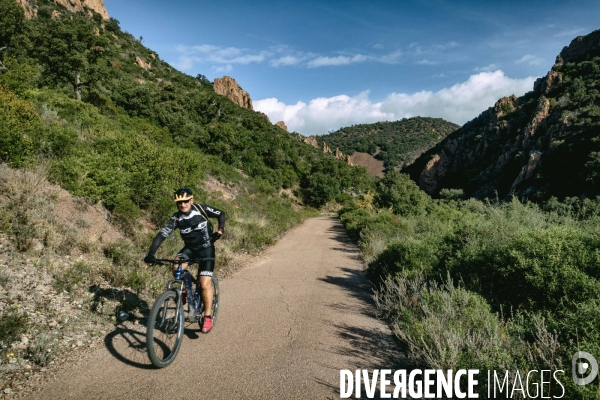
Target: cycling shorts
205, 268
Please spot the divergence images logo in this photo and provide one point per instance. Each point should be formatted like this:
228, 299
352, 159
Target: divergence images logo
579, 368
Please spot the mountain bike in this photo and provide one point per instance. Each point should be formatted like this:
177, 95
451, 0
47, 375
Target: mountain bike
164, 332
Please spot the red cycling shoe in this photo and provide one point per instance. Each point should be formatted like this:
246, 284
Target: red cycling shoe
207, 324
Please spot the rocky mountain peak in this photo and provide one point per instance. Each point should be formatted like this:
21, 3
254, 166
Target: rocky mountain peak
81, 5
282, 125
227, 86
539, 145
71, 5
581, 48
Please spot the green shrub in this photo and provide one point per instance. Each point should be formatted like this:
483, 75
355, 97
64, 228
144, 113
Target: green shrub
73, 277
444, 326
452, 194
321, 188
122, 253
410, 256
398, 192
539, 269
13, 324
20, 124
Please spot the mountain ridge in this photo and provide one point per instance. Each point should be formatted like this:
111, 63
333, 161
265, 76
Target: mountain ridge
539, 145
396, 143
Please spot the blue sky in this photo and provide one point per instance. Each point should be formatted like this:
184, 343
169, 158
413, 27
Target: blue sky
322, 65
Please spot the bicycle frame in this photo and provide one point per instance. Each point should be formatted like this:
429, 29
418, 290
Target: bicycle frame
165, 326
194, 297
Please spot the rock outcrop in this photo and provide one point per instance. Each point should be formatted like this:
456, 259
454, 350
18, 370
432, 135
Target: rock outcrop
311, 141
526, 146
30, 11
71, 5
227, 86
282, 125
141, 63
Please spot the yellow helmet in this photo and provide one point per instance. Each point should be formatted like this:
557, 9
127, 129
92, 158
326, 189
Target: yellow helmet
183, 194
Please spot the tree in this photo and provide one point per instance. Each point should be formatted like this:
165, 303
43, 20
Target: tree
70, 52
12, 19
398, 191
321, 188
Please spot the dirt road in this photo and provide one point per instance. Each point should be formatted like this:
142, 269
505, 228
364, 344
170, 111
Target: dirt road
286, 327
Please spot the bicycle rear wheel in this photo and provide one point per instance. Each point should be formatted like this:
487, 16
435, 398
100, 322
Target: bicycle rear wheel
216, 298
164, 330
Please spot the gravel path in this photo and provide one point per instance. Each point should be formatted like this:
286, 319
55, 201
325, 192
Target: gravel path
286, 327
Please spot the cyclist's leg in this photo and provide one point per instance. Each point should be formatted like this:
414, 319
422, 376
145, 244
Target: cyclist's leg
205, 272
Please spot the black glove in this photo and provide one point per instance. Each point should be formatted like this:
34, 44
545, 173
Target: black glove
150, 259
215, 236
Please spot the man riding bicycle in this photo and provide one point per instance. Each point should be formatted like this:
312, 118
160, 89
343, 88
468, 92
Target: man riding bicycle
196, 231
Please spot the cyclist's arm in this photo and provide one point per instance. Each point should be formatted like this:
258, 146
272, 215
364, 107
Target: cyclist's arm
215, 213
162, 235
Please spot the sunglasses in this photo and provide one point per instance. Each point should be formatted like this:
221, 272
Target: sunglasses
182, 202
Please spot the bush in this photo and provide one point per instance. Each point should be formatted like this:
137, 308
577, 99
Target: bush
409, 256
538, 271
73, 277
13, 324
20, 124
321, 189
443, 326
122, 253
398, 192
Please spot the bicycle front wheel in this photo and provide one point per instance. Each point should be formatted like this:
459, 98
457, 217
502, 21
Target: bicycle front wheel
164, 330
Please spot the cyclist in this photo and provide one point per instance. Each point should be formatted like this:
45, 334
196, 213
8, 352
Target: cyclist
196, 231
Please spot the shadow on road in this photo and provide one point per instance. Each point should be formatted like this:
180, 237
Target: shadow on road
127, 342
370, 347
345, 244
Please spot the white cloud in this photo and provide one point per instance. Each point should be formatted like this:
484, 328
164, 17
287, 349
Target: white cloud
275, 56
390, 58
189, 55
531, 60
322, 114
286, 60
334, 61
225, 68
446, 46
487, 68
426, 62
459, 103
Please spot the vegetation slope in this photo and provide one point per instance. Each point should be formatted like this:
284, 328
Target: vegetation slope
399, 142
541, 145
501, 284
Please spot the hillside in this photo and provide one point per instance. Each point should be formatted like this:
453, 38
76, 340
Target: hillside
395, 143
57, 55
96, 131
541, 145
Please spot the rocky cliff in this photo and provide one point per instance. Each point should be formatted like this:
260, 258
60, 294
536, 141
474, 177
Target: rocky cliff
71, 5
227, 86
545, 143
312, 141
282, 125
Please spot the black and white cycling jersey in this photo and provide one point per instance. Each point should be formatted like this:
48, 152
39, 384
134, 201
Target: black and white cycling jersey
194, 228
